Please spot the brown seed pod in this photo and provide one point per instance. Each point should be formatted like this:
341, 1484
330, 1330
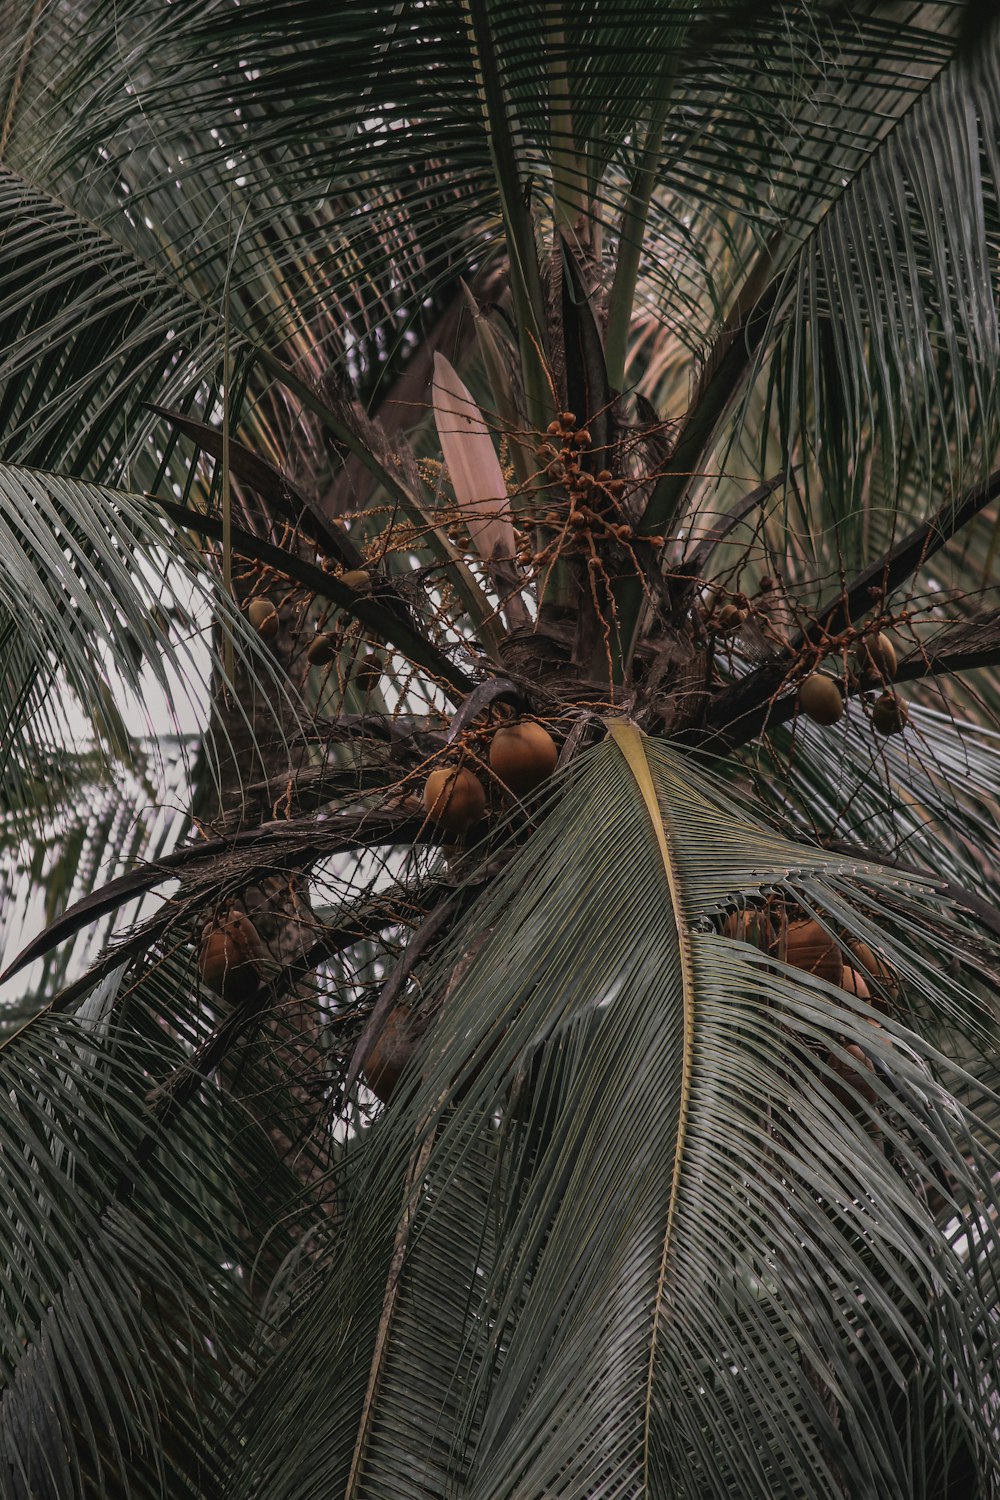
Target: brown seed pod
890, 715
807, 946
322, 648
820, 698
394, 1046
359, 580
582, 439
876, 657
854, 1073
263, 617
230, 957
567, 420
523, 755
454, 799
369, 673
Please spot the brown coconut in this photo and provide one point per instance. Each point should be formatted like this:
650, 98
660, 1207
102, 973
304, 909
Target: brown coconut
523, 755
750, 926
854, 983
231, 957
809, 947
875, 969
454, 799
729, 619
876, 657
890, 714
322, 649
394, 1046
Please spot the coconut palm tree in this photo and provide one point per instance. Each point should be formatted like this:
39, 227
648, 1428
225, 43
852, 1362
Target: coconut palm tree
499, 762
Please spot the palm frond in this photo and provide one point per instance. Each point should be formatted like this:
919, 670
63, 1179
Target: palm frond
642, 1278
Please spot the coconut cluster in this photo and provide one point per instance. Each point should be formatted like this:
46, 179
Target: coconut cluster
821, 698
521, 756
852, 966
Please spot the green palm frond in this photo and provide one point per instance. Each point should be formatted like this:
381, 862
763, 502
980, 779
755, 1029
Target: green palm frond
652, 1272
86, 594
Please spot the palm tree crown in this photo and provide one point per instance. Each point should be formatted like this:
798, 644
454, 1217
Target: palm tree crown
515, 1016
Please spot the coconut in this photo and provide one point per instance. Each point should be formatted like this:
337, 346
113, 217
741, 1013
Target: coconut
523, 755
820, 698
809, 947
322, 648
876, 657
875, 967
230, 958
854, 984
890, 714
750, 926
263, 617
454, 799
393, 1048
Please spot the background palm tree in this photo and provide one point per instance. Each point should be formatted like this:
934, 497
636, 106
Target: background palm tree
374, 377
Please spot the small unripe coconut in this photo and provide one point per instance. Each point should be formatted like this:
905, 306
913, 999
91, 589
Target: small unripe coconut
876, 657
809, 947
890, 714
230, 957
820, 698
729, 619
854, 1073
369, 673
454, 799
322, 648
263, 617
523, 755
357, 579
393, 1048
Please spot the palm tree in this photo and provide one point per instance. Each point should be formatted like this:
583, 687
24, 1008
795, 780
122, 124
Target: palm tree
517, 1017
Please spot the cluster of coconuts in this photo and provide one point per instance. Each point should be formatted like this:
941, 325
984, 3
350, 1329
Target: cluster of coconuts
806, 945
521, 756
820, 697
